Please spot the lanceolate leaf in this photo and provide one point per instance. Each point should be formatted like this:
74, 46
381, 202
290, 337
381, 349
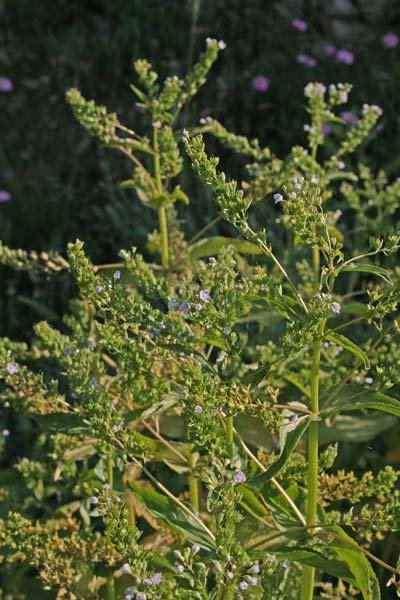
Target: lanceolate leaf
342, 340
353, 428
373, 269
173, 516
355, 397
68, 422
213, 245
290, 434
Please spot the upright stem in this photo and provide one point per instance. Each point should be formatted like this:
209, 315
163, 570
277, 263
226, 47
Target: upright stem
193, 482
162, 217
110, 481
229, 436
307, 587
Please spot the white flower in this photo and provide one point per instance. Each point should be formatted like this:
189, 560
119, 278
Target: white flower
314, 179
221, 45
278, 198
293, 195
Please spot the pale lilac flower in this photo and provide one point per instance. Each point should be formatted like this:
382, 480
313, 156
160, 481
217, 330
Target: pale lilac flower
117, 275
12, 368
125, 568
129, 593
260, 83
239, 477
227, 330
196, 548
98, 289
95, 383
326, 129
180, 568
6, 85
221, 45
390, 40
253, 581
230, 575
106, 486
368, 380
5, 196
306, 60
297, 186
184, 307
255, 569
293, 195
198, 409
243, 585
204, 295
5, 432
326, 296
212, 260
285, 564
118, 500
336, 308
299, 25
198, 306
329, 49
172, 303
349, 117
314, 179
91, 346
156, 579
141, 596
93, 500
271, 558
278, 198
156, 124
345, 56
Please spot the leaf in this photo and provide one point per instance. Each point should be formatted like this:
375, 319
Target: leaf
290, 434
355, 397
213, 245
283, 304
255, 376
358, 429
364, 268
158, 451
342, 340
132, 144
68, 422
173, 516
179, 194
141, 95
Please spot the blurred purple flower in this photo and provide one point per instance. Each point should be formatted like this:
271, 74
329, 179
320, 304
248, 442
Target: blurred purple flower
329, 50
260, 83
6, 85
299, 25
5, 196
326, 129
390, 40
12, 368
349, 117
345, 56
306, 60
239, 477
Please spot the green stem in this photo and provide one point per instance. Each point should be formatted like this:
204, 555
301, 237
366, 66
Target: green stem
110, 481
193, 482
229, 436
307, 586
162, 216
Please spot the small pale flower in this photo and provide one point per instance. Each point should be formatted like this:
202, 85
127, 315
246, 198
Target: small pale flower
156, 579
293, 195
156, 124
255, 569
5, 196
93, 500
125, 568
118, 500
349, 117
260, 83
243, 585
196, 548
5, 432
314, 179
180, 568
98, 289
336, 308
12, 368
117, 275
239, 477
298, 186
162, 325
172, 303
306, 60
285, 564
184, 307
141, 596
299, 25
227, 330
326, 129
230, 575
345, 56
106, 487
204, 295
198, 306
271, 558
390, 40
198, 409
253, 581
329, 50
221, 45
368, 380
278, 198
6, 85
212, 260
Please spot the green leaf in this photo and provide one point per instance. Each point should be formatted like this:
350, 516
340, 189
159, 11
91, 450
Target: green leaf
373, 269
67, 422
290, 434
173, 516
342, 340
179, 194
355, 429
141, 95
213, 245
355, 397
131, 144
